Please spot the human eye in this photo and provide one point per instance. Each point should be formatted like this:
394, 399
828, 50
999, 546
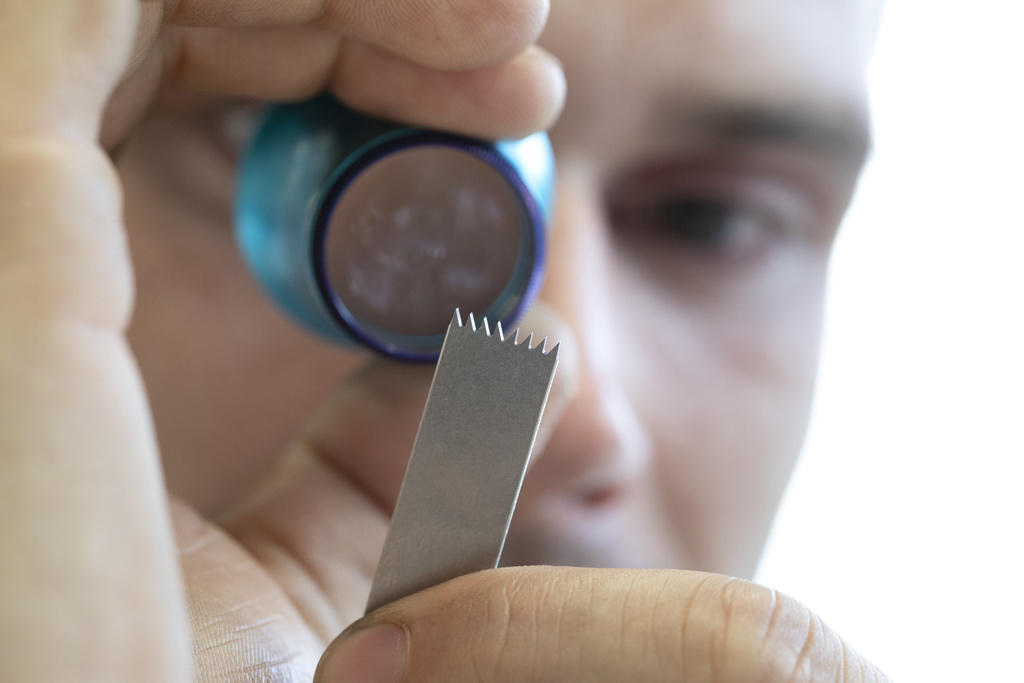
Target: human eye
718, 214
721, 228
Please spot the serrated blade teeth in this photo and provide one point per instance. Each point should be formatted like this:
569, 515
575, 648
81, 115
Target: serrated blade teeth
474, 325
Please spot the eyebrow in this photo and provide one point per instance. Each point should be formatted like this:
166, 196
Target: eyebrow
846, 138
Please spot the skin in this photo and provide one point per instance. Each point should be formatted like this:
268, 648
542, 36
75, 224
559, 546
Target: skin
706, 152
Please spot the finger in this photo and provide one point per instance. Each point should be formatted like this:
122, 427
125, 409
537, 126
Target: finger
546, 324
317, 534
284, 51
314, 525
81, 498
508, 99
565, 624
366, 430
245, 626
59, 62
443, 34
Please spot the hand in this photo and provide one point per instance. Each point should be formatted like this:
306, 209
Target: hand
91, 580
593, 625
462, 65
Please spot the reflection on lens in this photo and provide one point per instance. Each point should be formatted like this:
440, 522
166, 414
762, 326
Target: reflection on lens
419, 232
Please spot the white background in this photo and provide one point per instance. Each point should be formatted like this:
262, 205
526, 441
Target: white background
904, 524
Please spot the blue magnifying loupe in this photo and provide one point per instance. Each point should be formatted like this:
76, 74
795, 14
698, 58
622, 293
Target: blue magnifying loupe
370, 232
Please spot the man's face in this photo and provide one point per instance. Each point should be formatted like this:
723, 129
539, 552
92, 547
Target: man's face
707, 151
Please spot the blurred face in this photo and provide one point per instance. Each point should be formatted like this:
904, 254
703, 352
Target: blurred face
707, 151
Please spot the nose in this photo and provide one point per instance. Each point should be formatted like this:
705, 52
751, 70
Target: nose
599, 445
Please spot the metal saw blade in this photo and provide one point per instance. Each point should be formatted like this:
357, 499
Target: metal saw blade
468, 460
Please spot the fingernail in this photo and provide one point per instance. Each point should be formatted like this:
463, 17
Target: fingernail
373, 655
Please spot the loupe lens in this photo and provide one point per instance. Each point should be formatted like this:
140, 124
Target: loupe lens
418, 232
370, 232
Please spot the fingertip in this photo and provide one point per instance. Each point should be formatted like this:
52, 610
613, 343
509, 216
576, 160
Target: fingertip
509, 100
545, 90
519, 97
555, 74
545, 321
519, 22
375, 653
512, 100
470, 34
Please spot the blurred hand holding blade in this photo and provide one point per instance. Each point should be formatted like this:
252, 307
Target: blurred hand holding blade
468, 460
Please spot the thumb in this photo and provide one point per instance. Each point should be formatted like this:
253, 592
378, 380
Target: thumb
568, 624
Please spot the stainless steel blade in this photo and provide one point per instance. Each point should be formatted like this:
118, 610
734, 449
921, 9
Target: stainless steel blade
468, 460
